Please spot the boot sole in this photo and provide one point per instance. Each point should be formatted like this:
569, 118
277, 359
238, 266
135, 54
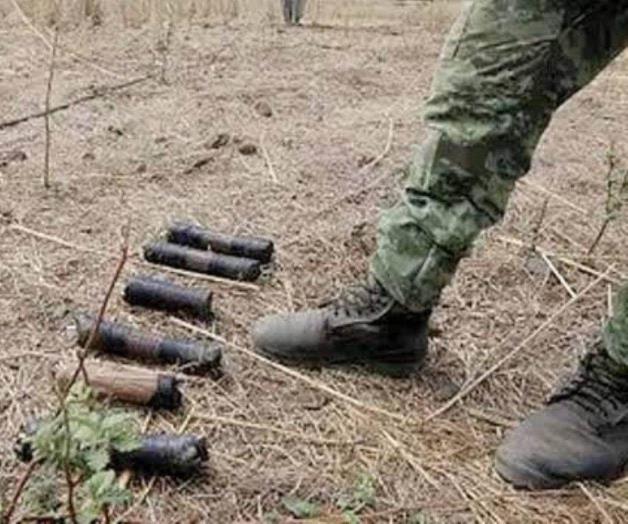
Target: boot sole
387, 369
524, 477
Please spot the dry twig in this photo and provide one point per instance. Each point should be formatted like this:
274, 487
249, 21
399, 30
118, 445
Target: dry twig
614, 196
82, 355
294, 374
18, 228
66, 461
89, 62
269, 163
465, 390
51, 72
18, 491
97, 93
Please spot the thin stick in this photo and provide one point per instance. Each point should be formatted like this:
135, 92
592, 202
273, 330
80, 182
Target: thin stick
464, 391
557, 274
373, 163
272, 429
269, 163
596, 503
411, 460
536, 230
292, 373
163, 46
97, 93
87, 61
609, 208
61, 394
600, 234
103, 308
199, 276
18, 491
352, 194
567, 261
18, 228
555, 196
51, 72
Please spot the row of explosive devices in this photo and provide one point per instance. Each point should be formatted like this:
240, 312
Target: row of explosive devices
188, 247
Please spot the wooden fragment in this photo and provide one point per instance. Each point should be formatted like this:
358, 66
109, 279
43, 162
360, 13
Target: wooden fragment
130, 384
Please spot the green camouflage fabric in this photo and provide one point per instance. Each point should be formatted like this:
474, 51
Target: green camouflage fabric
506, 68
293, 10
615, 334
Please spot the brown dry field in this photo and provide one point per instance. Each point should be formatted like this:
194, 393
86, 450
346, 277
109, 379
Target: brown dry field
143, 154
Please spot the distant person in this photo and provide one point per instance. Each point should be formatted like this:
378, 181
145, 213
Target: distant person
506, 67
293, 11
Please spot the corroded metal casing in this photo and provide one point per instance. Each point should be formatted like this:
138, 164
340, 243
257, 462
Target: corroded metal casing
194, 357
160, 294
195, 236
164, 455
200, 261
156, 455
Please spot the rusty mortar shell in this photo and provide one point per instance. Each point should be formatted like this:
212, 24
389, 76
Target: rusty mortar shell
157, 455
194, 357
199, 261
240, 246
164, 455
130, 384
154, 293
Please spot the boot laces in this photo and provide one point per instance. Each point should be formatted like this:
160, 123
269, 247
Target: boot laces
597, 388
359, 300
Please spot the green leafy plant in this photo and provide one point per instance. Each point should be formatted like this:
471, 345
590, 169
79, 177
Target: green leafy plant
78, 442
361, 497
300, 508
419, 518
42, 494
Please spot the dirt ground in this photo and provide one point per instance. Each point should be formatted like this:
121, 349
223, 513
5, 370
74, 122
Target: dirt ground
338, 96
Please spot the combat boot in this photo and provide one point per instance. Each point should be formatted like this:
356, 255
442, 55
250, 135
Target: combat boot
363, 326
582, 433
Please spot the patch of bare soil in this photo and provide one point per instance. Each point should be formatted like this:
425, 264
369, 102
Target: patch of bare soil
261, 130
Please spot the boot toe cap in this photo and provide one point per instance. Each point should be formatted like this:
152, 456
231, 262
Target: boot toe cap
553, 447
291, 336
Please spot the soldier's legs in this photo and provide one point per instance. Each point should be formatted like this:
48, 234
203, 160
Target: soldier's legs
293, 10
506, 67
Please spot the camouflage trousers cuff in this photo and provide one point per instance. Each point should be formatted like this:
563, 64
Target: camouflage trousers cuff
411, 267
615, 333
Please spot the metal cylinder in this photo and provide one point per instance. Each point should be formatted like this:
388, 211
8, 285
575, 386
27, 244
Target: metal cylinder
156, 455
160, 294
126, 383
195, 236
164, 455
194, 357
181, 257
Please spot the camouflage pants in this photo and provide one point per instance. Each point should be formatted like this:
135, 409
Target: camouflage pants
506, 67
293, 10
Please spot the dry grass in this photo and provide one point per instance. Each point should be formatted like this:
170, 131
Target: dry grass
348, 13
131, 155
